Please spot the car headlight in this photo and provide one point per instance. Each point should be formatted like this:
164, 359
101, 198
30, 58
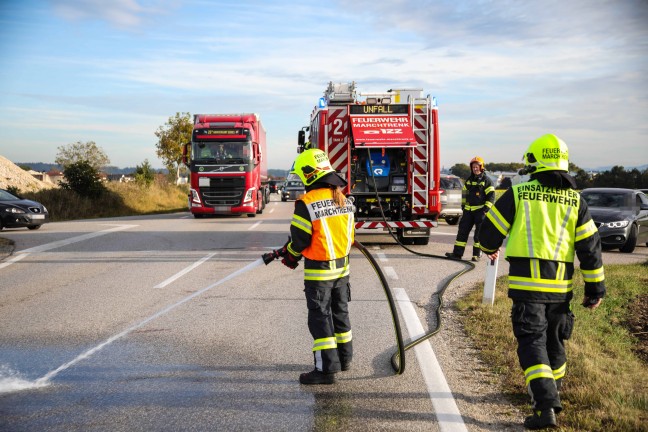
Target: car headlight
15, 210
617, 224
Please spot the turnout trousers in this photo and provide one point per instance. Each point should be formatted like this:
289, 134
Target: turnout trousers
328, 322
468, 219
540, 330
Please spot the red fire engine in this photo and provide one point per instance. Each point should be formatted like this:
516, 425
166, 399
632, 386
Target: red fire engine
387, 148
228, 166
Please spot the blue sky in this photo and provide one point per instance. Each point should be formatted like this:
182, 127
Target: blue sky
504, 72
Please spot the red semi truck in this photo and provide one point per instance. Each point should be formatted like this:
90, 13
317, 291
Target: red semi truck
228, 165
386, 145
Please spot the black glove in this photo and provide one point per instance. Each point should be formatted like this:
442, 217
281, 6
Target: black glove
290, 261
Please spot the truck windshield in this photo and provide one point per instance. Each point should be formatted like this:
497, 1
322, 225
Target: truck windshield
222, 152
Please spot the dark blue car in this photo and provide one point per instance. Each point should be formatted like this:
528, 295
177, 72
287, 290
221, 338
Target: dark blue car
16, 212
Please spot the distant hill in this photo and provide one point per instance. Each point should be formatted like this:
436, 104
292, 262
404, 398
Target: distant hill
277, 173
45, 167
609, 167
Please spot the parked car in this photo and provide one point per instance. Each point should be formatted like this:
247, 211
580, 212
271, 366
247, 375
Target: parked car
450, 190
293, 188
621, 216
16, 212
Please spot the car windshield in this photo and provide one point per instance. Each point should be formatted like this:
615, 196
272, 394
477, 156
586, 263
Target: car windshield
6, 196
608, 199
295, 184
450, 183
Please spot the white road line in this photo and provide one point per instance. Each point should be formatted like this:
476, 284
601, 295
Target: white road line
254, 226
391, 272
184, 272
271, 210
60, 243
381, 256
445, 407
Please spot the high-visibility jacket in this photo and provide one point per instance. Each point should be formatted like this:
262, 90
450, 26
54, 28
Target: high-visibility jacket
477, 192
323, 233
547, 227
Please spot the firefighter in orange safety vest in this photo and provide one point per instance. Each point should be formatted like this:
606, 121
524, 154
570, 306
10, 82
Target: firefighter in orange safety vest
547, 223
322, 231
477, 197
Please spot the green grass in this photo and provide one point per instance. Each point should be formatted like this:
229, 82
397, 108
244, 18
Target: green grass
606, 385
121, 199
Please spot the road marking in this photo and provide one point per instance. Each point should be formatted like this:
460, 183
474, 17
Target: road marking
272, 209
381, 256
185, 271
254, 226
51, 374
391, 272
60, 243
445, 407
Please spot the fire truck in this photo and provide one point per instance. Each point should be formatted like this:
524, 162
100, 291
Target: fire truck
227, 165
386, 145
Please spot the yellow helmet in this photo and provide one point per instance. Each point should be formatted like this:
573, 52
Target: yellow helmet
311, 165
478, 160
547, 153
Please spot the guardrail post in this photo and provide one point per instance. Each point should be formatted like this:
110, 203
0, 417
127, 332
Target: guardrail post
489, 281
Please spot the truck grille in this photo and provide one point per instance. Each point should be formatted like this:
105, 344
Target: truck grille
227, 191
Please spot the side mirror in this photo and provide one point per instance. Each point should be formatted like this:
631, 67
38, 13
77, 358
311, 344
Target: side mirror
301, 138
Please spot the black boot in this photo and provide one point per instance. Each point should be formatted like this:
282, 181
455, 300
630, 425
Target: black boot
317, 377
541, 419
452, 256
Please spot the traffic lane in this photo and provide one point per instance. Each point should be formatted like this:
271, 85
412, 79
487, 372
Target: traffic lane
236, 365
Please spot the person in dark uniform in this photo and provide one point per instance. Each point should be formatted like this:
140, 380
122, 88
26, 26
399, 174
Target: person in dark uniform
322, 231
547, 223
477, 197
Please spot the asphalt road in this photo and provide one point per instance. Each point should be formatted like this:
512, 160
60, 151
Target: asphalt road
172, 323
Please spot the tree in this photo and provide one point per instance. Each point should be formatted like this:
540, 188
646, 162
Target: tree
171, 138
144, 174
82, 178
78, 151
460, 170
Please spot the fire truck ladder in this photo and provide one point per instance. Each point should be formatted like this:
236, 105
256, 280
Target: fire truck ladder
420, 155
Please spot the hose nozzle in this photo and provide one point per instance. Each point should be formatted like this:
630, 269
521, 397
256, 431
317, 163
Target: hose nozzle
270, 256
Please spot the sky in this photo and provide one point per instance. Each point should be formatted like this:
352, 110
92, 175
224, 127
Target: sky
504, 72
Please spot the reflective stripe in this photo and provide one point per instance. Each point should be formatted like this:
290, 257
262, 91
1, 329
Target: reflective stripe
560, 271
562, 233
529, 231
540, 285
488, 204
324, 343
323, 275
302, 224
560, 372
473, 208
538, 371
462, 244
535, 268
489, 189
343, 337
292, 251
585, 230
498, 220
596, 275
350, 234
329, 239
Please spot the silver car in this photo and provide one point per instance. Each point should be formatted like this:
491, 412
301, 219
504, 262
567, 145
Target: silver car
293, 189
450, 190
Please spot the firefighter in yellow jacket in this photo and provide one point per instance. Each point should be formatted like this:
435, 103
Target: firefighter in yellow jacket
322, 231
548, 223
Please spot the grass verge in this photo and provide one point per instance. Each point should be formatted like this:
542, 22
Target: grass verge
121, 199
606, 385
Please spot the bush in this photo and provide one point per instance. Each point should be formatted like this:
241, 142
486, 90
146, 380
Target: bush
82, 178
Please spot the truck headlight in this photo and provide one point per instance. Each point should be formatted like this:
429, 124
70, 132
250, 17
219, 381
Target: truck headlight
248, 195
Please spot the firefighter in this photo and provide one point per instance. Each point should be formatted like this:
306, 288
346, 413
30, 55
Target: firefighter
322, 231
477, 197
547, 222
